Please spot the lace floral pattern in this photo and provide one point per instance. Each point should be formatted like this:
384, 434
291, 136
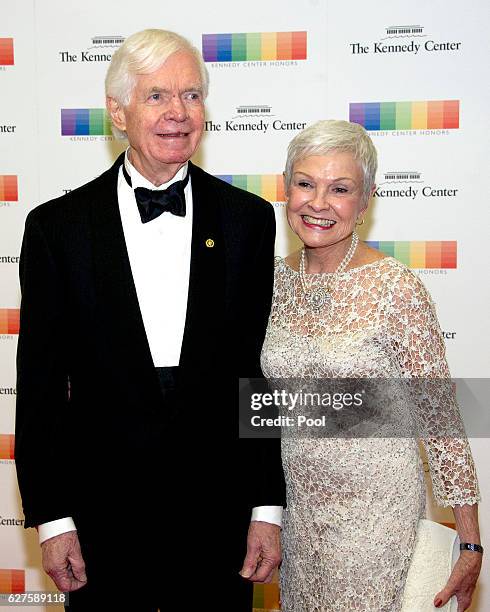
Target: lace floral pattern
354, 504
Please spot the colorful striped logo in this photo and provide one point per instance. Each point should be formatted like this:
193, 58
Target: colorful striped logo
428, 254
429, 115
6, 51
250, 46
7, 442
267, 186
9, 320
12, 581
85, 122
9, 189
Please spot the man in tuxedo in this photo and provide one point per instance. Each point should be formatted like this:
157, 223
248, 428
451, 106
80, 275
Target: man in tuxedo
145, 295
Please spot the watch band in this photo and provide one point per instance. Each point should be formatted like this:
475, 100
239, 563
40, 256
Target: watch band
472, 547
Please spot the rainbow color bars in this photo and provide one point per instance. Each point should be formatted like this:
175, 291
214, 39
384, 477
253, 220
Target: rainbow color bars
85, 122
251, 46
9, 191
7, 442
428, 254
12, 581
9, 320
267, 186
429, 115
6, 51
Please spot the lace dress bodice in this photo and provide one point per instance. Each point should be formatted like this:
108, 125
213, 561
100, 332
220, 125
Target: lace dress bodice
354, 504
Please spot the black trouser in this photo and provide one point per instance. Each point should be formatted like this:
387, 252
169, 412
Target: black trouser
141, 568
157, 545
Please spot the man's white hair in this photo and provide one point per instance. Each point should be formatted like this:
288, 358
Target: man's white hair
143, 53
328, 136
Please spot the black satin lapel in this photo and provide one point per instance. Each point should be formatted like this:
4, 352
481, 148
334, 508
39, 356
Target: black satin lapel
206, 297
122, 333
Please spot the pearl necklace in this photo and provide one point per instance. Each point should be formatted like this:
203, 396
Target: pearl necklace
317, 298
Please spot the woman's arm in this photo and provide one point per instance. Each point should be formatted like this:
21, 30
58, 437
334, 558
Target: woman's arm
467, 523
420, 352
462, 581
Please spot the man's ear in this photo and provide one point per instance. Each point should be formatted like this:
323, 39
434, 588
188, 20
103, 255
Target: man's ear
116, 113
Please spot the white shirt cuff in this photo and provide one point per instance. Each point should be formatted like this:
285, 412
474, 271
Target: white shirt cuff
54, 528
268, 514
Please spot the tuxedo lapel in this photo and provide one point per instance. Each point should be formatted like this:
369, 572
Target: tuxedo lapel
122, 334
206, 298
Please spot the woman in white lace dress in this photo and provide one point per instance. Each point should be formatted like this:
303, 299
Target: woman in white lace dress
344, 310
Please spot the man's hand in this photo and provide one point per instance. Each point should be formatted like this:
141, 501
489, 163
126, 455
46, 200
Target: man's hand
63, 561
263, 552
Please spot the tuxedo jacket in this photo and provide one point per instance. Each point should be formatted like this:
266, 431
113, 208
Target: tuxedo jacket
94, 433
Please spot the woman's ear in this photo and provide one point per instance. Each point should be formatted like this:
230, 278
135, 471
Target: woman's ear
366, 203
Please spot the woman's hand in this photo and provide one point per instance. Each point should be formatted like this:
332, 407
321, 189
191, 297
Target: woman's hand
462, 581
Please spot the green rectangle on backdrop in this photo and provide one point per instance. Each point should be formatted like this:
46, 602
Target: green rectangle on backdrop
255, 184
240, 181
403, 115
239, 47
254, 46
402, 252
107, 124
96, 121
387, 247
387, 116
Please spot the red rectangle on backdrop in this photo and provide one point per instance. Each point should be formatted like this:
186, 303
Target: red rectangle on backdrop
6, 51
451, 114
9, 320
13, 320
9, 191
12, 581
18, 581
7, 446
449, 254
298, 45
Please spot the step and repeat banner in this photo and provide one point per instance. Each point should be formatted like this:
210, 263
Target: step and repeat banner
413, 74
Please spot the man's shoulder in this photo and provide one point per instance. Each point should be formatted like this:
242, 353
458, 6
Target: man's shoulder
65, 204
77, 202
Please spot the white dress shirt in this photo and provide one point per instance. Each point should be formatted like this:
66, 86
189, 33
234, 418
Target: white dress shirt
159, 249
160, 255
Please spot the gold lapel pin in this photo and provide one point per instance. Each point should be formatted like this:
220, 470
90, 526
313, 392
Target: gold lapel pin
210, 243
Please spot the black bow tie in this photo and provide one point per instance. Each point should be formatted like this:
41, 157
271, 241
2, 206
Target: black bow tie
153, 202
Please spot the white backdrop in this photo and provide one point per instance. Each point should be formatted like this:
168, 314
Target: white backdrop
432, 184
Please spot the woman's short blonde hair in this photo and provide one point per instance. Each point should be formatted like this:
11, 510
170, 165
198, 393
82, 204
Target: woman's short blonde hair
143, 53
324, 137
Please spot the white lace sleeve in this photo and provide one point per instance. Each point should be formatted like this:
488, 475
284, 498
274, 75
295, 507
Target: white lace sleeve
420, 351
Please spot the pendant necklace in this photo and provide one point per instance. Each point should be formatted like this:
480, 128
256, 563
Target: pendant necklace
317, 298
